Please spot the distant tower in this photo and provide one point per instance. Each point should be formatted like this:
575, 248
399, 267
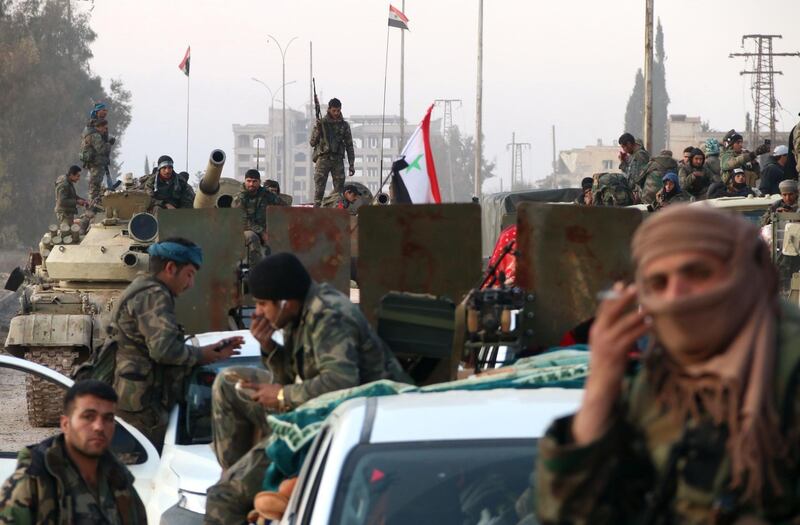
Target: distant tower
763, 84
447, 119
516, 161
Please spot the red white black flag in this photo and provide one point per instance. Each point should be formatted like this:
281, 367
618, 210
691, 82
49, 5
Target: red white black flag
184, 65
397, 18
415, 179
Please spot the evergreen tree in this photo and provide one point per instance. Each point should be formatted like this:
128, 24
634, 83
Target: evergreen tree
634, 111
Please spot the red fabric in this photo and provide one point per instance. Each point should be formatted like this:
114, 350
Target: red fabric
509, 262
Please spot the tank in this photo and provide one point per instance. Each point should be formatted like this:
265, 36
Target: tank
69, 291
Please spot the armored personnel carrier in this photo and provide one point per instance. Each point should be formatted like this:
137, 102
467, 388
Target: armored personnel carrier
69, 291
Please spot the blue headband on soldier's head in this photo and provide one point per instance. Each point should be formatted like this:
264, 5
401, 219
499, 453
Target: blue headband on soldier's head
177, 252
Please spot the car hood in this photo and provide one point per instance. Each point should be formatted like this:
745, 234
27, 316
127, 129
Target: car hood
196, 467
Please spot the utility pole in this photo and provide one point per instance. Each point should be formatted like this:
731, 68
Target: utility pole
447, 123
516, 160
285, 178
402, 141
309, 165
648, 75
763, 84
555, 163
479, 106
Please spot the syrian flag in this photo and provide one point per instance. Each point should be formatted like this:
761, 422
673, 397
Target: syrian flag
397, 18
415, 173
184, 65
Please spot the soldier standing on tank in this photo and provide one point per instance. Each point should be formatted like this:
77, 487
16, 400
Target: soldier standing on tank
633, 159
74, 477
254, 199
67, 200
331, 139
152, 360
95, 155
168, 190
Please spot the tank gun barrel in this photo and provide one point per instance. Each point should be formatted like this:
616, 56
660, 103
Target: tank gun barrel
209, 184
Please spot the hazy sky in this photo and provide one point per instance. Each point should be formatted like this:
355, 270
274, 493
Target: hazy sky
570, 63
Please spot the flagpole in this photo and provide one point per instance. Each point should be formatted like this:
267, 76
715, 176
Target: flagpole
383, 112
188, 81
402, 84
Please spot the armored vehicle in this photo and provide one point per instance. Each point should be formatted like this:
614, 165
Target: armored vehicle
69, 290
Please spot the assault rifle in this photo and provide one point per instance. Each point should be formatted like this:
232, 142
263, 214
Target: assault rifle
318, 111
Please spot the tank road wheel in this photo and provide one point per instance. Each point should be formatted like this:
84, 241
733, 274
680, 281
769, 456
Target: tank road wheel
44, 397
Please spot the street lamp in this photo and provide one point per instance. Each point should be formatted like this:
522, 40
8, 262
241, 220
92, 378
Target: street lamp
271, 95
283, 51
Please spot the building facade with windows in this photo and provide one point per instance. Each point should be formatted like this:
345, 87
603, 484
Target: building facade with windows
260, 146
575, 164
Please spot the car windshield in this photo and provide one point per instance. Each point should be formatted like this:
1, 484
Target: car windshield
454, 482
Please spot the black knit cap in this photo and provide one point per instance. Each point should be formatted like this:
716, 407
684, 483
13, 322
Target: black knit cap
277, 277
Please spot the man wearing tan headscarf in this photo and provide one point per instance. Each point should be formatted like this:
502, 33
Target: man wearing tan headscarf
708, 430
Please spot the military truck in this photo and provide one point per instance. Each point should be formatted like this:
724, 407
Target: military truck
70, 287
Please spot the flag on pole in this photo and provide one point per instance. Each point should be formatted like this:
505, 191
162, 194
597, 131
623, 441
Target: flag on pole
184, 65
397, 18
416, 183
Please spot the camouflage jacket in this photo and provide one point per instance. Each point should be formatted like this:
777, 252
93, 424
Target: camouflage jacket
254, 205
331, 346
696, 186
335, 141
175, 191
152, 360
651, 178
663, 200
66, 196
95, 149
712, 163
728, 161
635, 164
645, 457
47, 489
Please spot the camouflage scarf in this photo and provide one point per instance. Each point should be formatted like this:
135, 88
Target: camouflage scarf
716, 351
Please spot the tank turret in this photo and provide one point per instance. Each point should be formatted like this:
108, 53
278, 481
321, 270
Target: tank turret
208, 192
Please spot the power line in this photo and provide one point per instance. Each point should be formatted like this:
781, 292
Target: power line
447, 119
763, 83
516, 161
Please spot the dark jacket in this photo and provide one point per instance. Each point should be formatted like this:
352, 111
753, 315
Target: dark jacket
175, 191
36, 493
772, 175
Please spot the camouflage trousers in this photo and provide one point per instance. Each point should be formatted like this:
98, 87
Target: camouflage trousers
152, 422
325, 165
65, 218
240, 433
255, 250
96, 176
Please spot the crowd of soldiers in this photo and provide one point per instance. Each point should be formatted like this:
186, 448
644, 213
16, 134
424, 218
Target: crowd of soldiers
704, 432
715, 170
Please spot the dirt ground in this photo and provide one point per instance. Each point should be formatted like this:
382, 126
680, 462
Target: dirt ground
15, 432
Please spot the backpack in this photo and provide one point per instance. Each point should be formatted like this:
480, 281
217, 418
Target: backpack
612, 189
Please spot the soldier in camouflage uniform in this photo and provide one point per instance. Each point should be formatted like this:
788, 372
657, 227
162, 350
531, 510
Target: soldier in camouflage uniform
331, 139
735, 156
253, 200
696, 176
67, 200
706, 431
793, 163
327, 343
152, 360
653, 175
95, 155
633, 159
73, 477
166, 189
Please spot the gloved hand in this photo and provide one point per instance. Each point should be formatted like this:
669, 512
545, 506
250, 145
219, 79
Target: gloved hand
112, 140
762, 149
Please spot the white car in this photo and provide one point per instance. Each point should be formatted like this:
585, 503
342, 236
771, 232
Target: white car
173, 485
447, 458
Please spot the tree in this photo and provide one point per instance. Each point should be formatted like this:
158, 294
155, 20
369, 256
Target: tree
454, 155
46, 92
634, 111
